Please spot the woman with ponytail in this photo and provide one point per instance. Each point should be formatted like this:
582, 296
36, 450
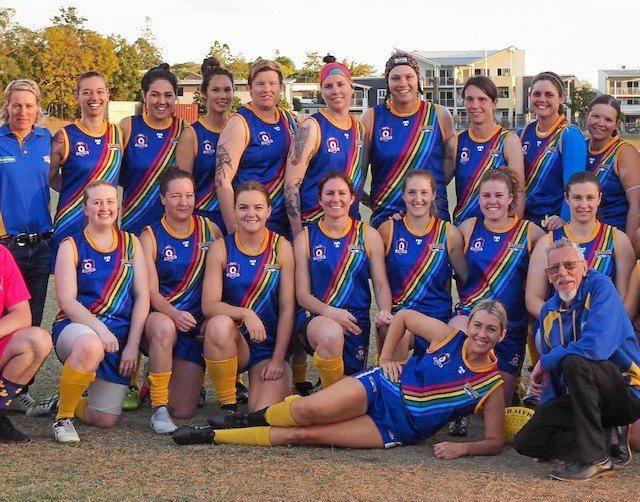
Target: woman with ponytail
196, 151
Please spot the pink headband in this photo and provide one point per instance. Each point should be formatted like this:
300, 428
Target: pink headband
334, 69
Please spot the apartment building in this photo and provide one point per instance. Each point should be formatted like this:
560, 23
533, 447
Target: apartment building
624, 85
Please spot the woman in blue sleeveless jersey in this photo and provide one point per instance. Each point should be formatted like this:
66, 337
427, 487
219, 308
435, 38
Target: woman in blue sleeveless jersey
248, 298
150, 143
606, 249
254, 144
396, 404
103, 292
616, 164
87, 150
196, 150
336, 257
405, 133
485, 145
331, 139
175, 249
421, 253
553, 150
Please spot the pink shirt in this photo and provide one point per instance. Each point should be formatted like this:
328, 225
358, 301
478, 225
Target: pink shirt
13, 289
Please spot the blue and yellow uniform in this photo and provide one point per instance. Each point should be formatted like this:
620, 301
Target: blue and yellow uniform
339, 271
419, 271
253, 281
105, 288
180, 266
147, 153
596, 327
335, 149
399, 143
265, 157
497, 262
598, 250
549, 161
87, 158
204, 166
433, 390
474, 157
604, 164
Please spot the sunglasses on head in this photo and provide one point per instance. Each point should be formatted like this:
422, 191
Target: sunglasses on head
568, 265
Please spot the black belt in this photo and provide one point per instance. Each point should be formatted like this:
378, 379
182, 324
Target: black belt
27, 239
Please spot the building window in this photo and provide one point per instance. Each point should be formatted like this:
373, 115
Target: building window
477, 71
504, 72
503, 92
180, 91
429, 72
633, 101
428, 95
382, 94
633, 84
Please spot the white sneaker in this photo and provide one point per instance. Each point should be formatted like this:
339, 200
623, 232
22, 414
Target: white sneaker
22, 402
65, 432
47, 407
161, 421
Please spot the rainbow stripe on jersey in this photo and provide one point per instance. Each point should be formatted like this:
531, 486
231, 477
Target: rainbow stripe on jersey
598, 251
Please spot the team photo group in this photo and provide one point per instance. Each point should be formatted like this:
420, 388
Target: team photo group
247, 241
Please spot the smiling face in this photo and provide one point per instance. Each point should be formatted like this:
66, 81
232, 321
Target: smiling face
337, 92
336, 198
251, 210
101, 206
495, 200
545, 99
160, 100
265, 89
179, 200
22, 110
479, 106
484, 331
219, 94
583, 200
418, 196
602, 120
403, 84
565, 271
92, 96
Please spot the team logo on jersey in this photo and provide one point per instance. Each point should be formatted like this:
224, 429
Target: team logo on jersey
515, 246
203, 246
319, 253
477, 245
442, 359
538, 143
88, 266
386, 134
253, 262
98, 141
336, 244
418, 241
401, 246
360, 353
592, 160
359, 144
159, 135
405, 123
605, 253
114, 147
464, 155
81, 149
233, 270
185, 244
141, 141
207, 148
461, 370
525, 147
107, 259
174, 141
332, 145
169, 254
355, 248
265, 138
480, 148
468, 388
436, 246
127, 263
276, 128
496, 238
427, 128
9, 159
515, 361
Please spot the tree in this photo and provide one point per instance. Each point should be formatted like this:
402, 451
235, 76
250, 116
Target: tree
286, 64
311, 68
68, 16
182, 70
125, 82
359, 69
220, 51
18, 48
580, 98
147, 47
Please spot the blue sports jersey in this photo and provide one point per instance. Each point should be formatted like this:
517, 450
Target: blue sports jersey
204, 166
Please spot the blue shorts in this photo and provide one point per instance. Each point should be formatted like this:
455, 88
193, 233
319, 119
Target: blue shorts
386, 408
259, 352
510, 352
188, 348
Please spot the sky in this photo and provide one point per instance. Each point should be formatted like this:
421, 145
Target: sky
569, 37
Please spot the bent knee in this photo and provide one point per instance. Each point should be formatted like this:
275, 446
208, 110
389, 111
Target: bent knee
573, 365
164, 336
103, 420
88, 348
328, 336
39, 342
219, 328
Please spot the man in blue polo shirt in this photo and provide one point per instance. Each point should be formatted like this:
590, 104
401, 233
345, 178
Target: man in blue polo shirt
25, 219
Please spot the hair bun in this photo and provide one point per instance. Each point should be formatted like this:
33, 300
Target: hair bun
209, 64
164, 67
329, 59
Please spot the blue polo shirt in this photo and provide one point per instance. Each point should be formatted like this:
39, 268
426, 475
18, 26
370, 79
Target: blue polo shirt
24, 182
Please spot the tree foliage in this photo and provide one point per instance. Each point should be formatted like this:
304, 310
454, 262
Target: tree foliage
580, 98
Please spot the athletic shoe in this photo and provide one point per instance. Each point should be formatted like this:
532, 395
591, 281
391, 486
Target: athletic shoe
22, 402
131, 400
459, 427
9, 433
230, 408
226, 419
144, 394
317, 387
242, 393
65, 432
202, 398
582, 472
302, 388
530, 400
621, 451
189, 434
161, 421
45, 408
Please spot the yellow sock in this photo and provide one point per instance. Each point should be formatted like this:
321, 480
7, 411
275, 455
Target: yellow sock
223, 377
255, 436
73, 383
300, 372
133, 382
81, 408
280, 414
159, 388
330, 370
238, 378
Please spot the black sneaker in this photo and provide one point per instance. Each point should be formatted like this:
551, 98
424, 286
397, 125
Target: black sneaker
228, 420
459, 427
9, 433
582, 472
242, 393
303, 388
621, 451
189, 434
230, 408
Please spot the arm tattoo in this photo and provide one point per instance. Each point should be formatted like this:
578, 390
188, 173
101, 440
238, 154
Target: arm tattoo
299, 142
292, 199
223, 161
